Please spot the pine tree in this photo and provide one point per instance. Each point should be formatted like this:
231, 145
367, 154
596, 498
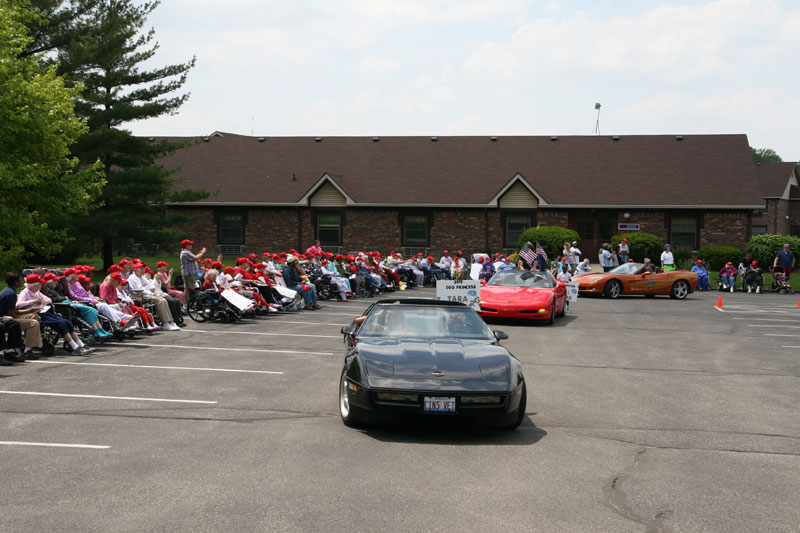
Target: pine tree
107, 60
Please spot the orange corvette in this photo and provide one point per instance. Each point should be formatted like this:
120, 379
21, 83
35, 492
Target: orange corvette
632, 278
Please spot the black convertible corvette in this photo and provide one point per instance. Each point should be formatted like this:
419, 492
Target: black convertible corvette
428, 358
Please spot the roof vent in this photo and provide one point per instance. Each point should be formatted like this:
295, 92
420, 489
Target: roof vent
317, 139
376, 139
205, 139
615, 138
261, 139
151, 139
553, 138
493, 139
434, 139
679, 137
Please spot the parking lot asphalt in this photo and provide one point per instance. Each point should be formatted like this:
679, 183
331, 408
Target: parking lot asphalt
643, 415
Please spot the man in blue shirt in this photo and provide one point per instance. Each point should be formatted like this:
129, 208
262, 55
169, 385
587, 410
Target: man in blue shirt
29, 322
702, 275
786, 259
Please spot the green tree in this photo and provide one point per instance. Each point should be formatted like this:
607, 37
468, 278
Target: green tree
57, 24
39, 179
107, 61
765, 155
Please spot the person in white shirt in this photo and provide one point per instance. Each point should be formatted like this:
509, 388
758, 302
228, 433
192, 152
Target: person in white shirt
624, 251
141, 285
583, 266
329, 271
573, 255
445, 263
564, 275
667, 260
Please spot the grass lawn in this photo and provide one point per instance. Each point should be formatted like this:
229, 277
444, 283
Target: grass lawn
713, 281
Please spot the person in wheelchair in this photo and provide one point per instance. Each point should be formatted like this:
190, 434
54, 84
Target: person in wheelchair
329, 274
753, 277
727, 276
87, 313
142, 290
31, 300
77, 293
111, 291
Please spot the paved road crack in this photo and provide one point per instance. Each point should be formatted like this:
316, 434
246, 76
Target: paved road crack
616, 499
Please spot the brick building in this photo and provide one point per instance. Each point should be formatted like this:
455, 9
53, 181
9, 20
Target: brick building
473, 193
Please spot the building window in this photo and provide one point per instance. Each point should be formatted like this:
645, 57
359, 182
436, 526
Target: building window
415, 230
586, 230
329, 229
758, 230
231, 228
683, 231
515, 226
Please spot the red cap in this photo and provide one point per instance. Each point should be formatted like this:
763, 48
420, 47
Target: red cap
113, 268
699, 261
49, 276
240, 260
325, 262
351, 257
498, 254
33, 278
283, 254
116, 276
125, 262
480, 259
419, 254
148, 270
459, 252
729, 263
253, 256
162, 264
266, 254
445, 252
755, 262
228, 270
430, 259
69, 272
138, 265
630, 260
186, 242
624, 239
84, 279
260, 265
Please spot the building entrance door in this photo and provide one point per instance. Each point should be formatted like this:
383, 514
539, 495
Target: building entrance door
593, 232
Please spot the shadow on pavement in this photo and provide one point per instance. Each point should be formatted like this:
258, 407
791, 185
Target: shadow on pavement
434, 432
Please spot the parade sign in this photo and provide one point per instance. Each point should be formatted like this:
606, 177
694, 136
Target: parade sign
466, 291
572, 291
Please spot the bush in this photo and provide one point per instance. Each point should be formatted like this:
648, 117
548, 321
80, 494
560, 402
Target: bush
716, 256
513, 258
642, 245
765, 247
552, 238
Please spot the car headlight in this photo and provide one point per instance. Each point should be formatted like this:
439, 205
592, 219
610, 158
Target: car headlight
494, 372
395, 397
482, 399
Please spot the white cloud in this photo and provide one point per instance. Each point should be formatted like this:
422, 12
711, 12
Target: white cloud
379, 66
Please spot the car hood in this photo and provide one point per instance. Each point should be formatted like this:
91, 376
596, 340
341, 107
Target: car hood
591, 276
505, 294
411, 363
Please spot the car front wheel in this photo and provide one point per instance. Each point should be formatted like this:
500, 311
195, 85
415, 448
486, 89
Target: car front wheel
520, 412
612, 289
680, 289
345, 409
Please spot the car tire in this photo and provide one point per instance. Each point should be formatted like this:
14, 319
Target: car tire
552, 320
345, 409
564, 310
612, 289
520, 412
680, 290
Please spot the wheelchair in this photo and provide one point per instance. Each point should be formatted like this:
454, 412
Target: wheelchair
210, 305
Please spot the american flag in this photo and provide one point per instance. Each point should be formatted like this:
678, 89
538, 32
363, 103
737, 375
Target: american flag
529, 255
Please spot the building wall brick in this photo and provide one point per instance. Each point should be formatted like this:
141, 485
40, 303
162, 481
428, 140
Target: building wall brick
201, 228
547, 217
371, 229
729, 228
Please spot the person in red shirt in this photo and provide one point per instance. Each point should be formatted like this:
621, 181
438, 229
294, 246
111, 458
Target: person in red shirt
109, 293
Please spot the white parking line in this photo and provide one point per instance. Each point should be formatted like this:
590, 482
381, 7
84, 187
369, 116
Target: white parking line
157, 367
92, 396
779, 335
353, 314
53, 445
770, 326
198, 348
314, 323
270, 334
768, 319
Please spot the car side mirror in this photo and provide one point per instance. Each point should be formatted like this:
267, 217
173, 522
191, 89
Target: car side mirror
349, 329
499, 334
483, 282
646, 273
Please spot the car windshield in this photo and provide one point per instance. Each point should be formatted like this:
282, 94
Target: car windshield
629, 268
424, 321
521, 278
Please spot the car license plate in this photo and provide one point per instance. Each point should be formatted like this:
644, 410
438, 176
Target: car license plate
440, 404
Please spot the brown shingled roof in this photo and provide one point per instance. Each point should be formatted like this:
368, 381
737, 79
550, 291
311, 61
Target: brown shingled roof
636, 170
774, 177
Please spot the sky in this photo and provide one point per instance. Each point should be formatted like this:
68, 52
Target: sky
484, 67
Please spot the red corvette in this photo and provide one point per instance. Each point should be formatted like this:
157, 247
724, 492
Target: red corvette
524, 294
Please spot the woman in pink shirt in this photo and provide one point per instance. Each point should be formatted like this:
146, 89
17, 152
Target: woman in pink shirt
165, 279
316, 249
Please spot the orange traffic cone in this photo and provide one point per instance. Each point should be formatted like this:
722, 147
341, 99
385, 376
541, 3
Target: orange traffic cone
798, 303
719, 302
